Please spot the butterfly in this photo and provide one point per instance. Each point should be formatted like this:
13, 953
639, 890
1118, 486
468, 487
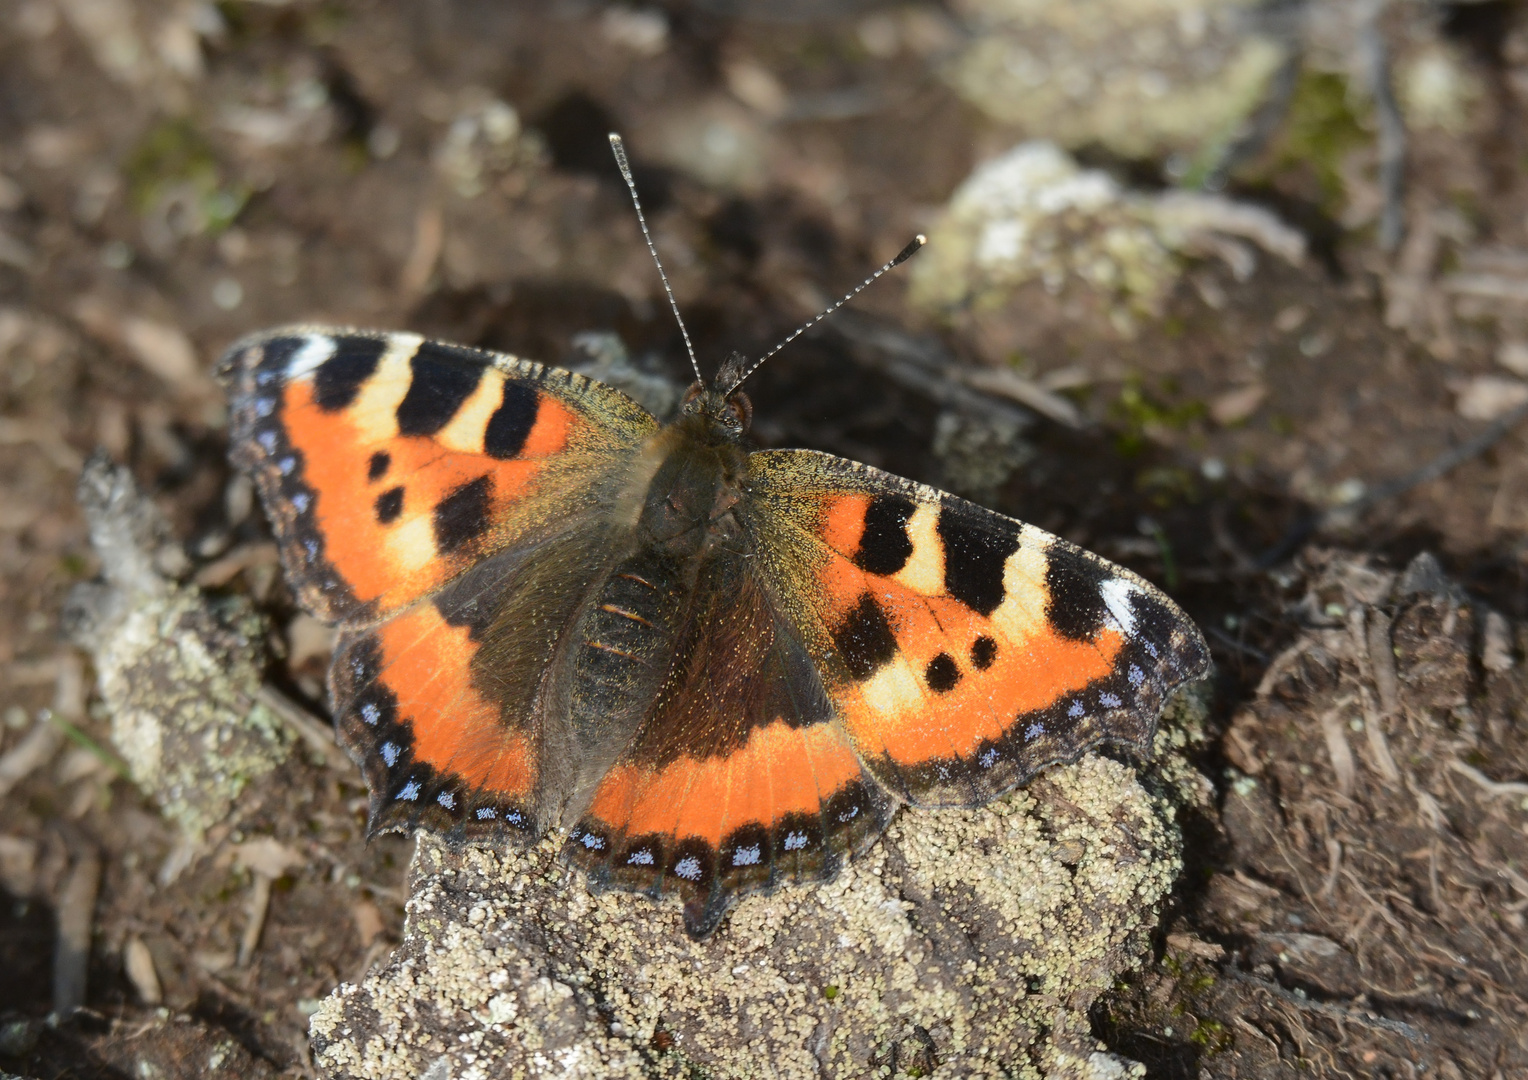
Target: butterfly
716, 669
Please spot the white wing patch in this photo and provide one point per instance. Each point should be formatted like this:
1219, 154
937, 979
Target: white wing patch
1117, 593
317, 349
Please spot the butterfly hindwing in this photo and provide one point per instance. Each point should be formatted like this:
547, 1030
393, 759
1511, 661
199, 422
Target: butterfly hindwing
963, 651
448, 729
737, 778
390, 464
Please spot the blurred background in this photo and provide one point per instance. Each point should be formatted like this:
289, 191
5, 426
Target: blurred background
1214, 287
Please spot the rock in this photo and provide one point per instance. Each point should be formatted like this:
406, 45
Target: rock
1034, 215
485, 142
178, 670
1488, 397
965, 943
1141, 77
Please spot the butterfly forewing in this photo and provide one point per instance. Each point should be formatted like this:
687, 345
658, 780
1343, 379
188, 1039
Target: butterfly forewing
391, 464
963, 651
446, 507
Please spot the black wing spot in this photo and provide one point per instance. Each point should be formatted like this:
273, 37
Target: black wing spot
974, 555
983, 653
885, 546
276, 353
389, 505
1076, 607
339, 379
511, 423
941, 674
377, 468
865, 641
444, 377
462, 516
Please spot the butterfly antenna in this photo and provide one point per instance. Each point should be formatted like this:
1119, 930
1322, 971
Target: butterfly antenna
901, 257
619, 149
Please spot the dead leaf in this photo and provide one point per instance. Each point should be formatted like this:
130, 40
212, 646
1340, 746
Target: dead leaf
308, 639
1513, 355
1487, 397
138, 963
1191, 945
267, 856
162, 349
1237, 405
368, 921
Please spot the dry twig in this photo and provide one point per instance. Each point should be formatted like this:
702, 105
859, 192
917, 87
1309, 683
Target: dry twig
1337, 746
319, 736
1336, 1012
71, 949
1495, 788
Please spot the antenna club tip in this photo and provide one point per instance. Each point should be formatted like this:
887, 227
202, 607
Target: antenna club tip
909, 251
615, 138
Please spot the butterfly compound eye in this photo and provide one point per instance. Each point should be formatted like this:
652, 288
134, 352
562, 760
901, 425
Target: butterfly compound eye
741, 408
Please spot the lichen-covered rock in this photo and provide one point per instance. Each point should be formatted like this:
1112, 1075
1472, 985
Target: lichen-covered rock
178, 671
1141, 77
1034, 215
966, 943
485, 142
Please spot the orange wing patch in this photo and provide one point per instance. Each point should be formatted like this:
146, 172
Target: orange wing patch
433, 746
790, 804
781, 770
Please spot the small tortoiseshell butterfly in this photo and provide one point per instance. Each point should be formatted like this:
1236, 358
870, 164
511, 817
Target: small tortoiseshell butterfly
717, 669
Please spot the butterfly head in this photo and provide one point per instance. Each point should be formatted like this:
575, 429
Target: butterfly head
726, 415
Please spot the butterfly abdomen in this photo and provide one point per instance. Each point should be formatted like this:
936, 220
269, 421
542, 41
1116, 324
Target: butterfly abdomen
625, 641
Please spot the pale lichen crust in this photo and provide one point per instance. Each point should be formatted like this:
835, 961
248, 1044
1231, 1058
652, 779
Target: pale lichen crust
968, 942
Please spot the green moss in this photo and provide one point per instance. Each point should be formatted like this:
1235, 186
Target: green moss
1212, 1036
173, 156
1136, 410
1321, 129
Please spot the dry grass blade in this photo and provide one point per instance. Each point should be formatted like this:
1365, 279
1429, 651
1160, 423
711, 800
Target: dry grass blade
1341, 753
317, 735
